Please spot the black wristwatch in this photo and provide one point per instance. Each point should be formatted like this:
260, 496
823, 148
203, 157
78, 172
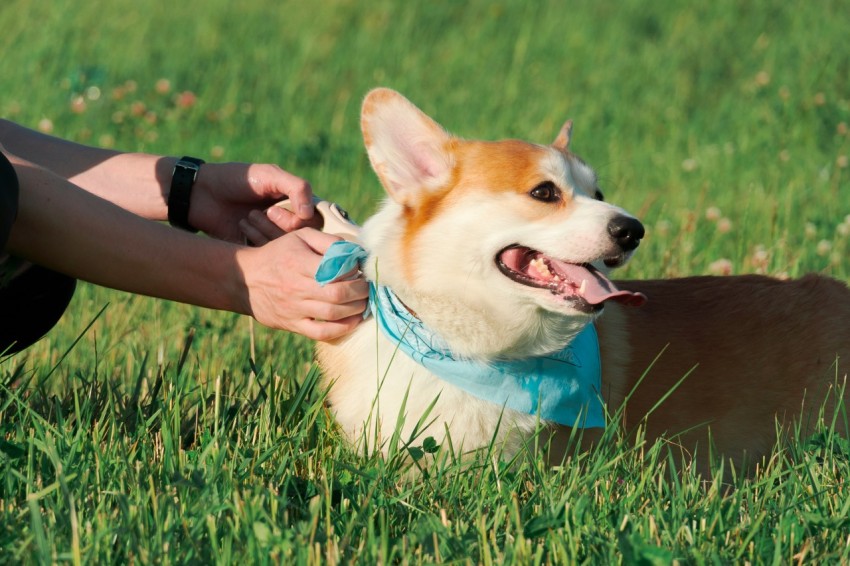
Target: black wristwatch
182, 179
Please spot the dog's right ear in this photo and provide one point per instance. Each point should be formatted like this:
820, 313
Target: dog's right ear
407, 149
562, 142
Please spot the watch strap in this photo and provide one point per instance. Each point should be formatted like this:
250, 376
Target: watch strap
182, 180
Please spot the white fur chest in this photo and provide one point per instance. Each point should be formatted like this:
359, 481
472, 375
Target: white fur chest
375, 388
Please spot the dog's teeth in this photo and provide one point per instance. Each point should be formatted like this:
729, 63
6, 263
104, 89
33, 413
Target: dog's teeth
583, 287
541, 267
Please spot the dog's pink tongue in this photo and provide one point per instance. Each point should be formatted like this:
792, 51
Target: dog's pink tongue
594, 287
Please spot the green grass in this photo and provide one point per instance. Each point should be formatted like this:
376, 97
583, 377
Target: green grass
147, 434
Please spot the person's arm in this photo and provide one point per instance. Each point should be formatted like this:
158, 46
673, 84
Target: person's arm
74, 232
223, 195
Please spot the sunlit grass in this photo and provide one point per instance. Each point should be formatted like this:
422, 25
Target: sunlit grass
157, 438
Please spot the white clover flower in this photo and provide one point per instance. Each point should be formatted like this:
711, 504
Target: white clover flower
721, 266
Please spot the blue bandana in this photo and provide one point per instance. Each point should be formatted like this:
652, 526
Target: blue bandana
562, 387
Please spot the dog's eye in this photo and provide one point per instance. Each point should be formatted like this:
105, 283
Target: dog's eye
546, 192
598, 195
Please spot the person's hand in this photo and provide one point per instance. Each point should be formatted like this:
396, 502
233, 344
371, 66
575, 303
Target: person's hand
227, 193
283, 293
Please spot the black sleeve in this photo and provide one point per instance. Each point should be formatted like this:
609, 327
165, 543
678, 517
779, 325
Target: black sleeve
8, 199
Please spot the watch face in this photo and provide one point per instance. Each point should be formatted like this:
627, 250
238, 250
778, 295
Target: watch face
194, 161
190, 165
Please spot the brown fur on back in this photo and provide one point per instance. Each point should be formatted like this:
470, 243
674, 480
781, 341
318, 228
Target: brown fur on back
759, 347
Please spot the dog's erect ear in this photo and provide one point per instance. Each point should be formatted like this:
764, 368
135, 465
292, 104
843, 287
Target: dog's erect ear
408, 150
562, 142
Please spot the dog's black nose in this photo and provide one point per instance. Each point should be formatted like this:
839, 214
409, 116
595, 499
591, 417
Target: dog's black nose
626, 231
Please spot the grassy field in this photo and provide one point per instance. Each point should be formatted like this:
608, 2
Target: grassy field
141, 431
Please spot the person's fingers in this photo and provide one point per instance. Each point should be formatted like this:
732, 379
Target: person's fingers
301, 196
342, 292
331, 312
319, 242
252, 235
352, 275
287, 221
324, 331
303, 251
261, 223
274, 182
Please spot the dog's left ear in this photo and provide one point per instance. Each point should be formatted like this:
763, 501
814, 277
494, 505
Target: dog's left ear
408, 150
562, 142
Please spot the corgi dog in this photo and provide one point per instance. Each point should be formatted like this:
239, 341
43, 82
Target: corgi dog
500, 251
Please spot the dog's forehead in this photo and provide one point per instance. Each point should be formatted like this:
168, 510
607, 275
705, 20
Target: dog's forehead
583, 175
518, 166
571, 170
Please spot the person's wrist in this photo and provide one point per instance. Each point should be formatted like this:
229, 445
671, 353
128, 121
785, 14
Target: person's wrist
240, 289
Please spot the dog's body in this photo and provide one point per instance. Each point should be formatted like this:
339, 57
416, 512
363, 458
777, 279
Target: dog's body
498, 248
754, 349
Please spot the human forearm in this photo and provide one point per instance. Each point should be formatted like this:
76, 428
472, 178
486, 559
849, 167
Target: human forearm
134, 181
222, 196
64, 224
67, 229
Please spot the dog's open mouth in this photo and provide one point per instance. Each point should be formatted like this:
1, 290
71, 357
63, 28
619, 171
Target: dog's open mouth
586, 287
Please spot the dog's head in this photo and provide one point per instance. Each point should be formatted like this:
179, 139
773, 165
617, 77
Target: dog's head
500, 247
